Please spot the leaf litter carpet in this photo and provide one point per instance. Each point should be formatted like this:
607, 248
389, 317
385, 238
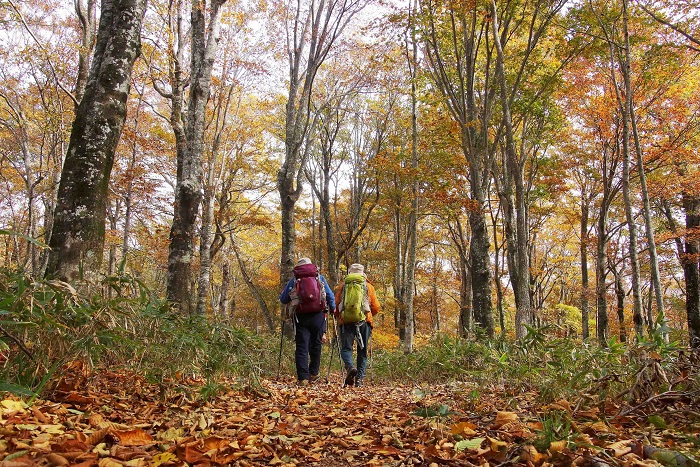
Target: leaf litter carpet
109, 418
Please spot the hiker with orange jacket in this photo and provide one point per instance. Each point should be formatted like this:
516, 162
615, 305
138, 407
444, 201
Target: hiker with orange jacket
356, 304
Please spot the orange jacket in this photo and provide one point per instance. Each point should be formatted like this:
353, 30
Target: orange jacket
374, 306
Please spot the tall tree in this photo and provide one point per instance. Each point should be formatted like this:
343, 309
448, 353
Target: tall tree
312, 29
77, 241
188, 123
620, 59
455, 37
520, 87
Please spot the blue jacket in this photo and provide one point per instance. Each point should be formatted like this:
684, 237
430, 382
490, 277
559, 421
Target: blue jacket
330, 298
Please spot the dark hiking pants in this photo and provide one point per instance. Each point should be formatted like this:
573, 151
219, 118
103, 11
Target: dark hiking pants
309, 331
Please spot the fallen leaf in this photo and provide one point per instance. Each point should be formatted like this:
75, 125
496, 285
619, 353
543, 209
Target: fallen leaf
531, 455
162, 458
136, 437
470, 444
13, 406
503, 418
464, 429
557, 446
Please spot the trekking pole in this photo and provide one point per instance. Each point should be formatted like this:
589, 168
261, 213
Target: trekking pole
369, 349
330, 362
279, 358
336, 327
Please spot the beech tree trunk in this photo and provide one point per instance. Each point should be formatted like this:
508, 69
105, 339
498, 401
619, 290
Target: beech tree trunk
77, 240
314, 28
691, 269
412, 58
521, 271
649, 226
620, 295
624, 105
190, 145
600, 276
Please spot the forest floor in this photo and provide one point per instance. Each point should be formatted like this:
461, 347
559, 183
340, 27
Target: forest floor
110, 418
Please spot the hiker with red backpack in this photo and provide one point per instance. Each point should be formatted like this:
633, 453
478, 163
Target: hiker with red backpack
356, 304
308, 297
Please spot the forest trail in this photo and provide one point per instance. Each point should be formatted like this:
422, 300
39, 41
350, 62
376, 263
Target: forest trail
112, 418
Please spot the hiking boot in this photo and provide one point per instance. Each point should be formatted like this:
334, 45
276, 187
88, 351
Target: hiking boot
303, 382
313, 379
350, 378
358, 382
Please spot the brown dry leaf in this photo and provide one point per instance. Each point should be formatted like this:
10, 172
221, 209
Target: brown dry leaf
135, 437
620, 448
38, 414
78, 398
215, 442
96, 421
464, 429
96, 437
530, 454
497, 445
590, 413
190, 453
57, 460
505, 417
561, 405
107, 462
18, 463
557, 446
599, 427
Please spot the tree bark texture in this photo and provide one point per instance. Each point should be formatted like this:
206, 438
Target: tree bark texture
585, 332
77, 240
624, 102
601, 270
188, 190
523, 312
691, 270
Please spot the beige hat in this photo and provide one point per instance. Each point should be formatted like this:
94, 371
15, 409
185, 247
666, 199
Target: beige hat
356, 268
303, 260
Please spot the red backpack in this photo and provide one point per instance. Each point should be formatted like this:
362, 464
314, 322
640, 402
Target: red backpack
309, 290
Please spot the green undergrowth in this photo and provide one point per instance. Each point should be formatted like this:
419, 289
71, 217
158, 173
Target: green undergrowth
120, 324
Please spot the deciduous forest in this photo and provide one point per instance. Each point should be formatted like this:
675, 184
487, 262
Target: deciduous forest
520, 180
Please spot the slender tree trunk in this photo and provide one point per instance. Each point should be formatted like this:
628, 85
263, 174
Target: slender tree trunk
413, 216
223, 296
620, 295
254, 289
523, 312
497, 255
77, 240
205, 242
625, 105
649, 226
691, 269
87, 16
435, 304
465, 294
600, 275
188, 190
399, 275
584, 268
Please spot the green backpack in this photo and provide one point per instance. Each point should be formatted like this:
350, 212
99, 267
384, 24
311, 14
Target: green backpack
354, 300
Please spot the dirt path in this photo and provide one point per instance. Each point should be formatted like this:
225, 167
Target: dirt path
116, 419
